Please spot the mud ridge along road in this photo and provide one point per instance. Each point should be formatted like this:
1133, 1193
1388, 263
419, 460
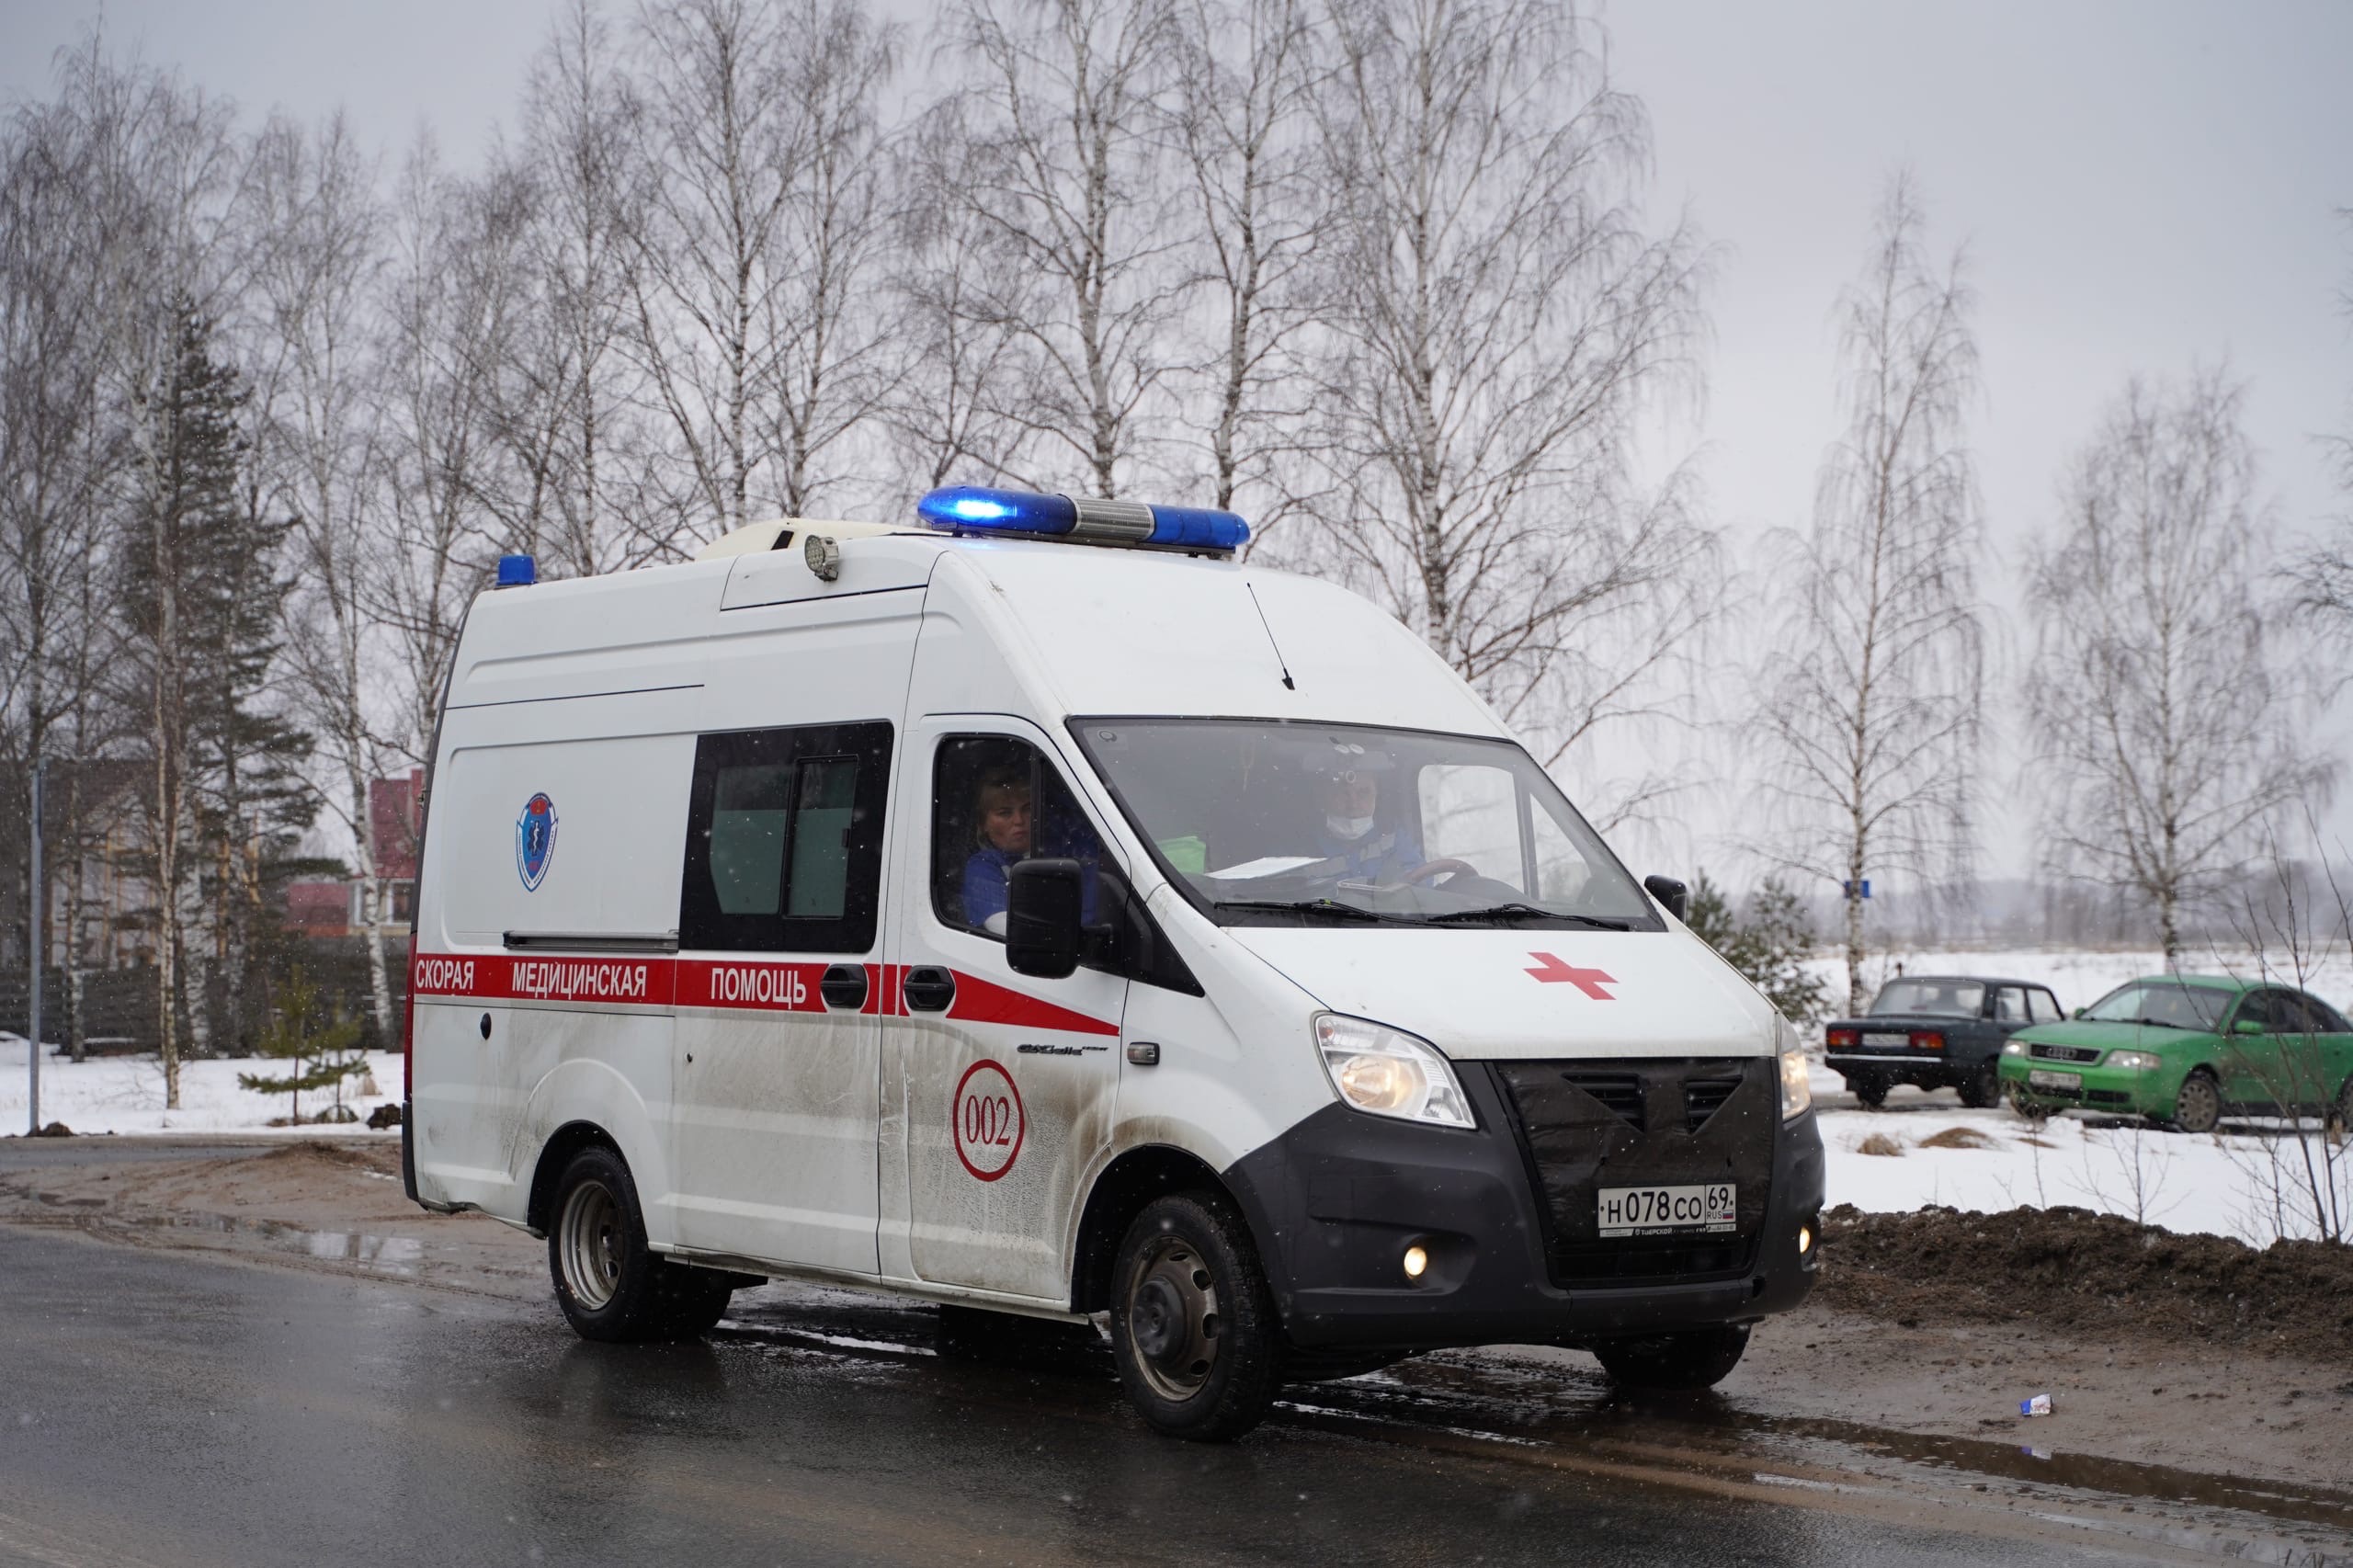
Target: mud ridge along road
222, 1352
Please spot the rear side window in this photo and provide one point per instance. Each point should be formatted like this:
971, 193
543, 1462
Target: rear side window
2045, 1005
784, 840
2009, 1004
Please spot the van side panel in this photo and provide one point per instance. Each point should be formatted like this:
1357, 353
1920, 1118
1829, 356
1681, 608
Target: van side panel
514, 1042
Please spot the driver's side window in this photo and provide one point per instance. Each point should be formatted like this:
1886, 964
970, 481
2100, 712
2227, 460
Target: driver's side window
996, 801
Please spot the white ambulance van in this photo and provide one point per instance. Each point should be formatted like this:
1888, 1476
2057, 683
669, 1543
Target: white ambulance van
1036, 911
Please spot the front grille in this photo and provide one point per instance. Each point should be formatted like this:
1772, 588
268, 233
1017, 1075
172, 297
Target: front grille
1702, 1097
1584, 1125
2062, 1052
1621, 1092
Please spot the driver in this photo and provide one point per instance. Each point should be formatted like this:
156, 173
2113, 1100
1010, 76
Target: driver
1354, 845
1004, 832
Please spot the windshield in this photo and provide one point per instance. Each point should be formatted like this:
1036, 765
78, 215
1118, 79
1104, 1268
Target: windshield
1268, 822
1936, 998
2176, 1006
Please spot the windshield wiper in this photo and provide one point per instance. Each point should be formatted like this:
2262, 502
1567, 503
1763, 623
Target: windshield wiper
1315, 906
1510, 911
2157, 1023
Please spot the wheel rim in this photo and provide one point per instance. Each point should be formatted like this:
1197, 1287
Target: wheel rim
1172, 1318
592, 1245
2198, 1108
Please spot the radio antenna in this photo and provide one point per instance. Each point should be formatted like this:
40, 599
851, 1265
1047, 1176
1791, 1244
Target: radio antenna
1289, 684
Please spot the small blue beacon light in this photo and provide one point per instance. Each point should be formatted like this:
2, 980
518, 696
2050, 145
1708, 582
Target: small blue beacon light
518, 571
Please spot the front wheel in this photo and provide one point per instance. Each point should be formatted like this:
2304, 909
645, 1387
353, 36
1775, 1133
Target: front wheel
610, 1283
1982, 1087
1687, 1358
1193, 1327
2198, 1105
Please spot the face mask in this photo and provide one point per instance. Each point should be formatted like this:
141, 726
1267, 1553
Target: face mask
1349, 827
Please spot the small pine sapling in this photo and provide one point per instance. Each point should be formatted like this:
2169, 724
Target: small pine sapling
320, 1051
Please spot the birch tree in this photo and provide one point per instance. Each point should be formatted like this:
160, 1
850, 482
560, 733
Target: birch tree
456, 286
1244, 130
2168, 729
727, 142
1498, 319
51, 543
161, 175
1869, 705
570, 417
1057, 136
314, 285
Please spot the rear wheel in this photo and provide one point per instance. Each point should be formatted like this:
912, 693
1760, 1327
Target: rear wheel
2340, 1114
1869, 1092
608, 1281
1688, 1359
1983, 1087
2198, 1105
1193, 1325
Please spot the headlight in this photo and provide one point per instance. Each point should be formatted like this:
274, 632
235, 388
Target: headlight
2133, 1061
1797, 1083
2014, 1048
1390, 1073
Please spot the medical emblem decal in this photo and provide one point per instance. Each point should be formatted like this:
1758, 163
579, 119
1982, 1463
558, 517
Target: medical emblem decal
534, 841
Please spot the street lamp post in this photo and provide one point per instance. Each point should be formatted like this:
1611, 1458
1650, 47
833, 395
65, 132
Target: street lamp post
32, 997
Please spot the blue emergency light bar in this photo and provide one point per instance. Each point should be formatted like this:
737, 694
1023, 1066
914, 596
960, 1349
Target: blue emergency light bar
970, 507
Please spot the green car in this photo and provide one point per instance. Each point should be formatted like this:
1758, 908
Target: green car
2183, 1048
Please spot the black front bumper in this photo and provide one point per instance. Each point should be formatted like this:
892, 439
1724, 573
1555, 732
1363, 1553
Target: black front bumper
1335, 1201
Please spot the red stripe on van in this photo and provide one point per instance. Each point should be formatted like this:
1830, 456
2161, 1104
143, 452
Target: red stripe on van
744, 984
980, 1002
496, 977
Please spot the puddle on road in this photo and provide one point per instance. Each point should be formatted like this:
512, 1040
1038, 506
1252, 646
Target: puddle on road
403, 1255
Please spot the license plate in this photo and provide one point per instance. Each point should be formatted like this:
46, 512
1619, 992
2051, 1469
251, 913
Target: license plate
2043, 1079
1887, 1040
1651, 1210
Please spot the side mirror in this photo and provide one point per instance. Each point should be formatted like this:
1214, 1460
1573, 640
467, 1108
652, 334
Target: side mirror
1043, 903
2076, 1014
1670, 893
2248, 1026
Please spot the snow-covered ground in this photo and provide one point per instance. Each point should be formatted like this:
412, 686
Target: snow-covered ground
125, 1093
2250, 1181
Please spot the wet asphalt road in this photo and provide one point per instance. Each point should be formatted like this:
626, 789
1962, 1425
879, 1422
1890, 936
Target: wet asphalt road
162, 1408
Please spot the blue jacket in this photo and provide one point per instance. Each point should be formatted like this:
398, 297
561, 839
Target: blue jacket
1378, 857
985, 870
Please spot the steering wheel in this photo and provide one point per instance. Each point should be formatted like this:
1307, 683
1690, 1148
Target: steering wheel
1447, 867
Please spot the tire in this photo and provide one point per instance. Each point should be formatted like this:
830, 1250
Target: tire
2198, 1104
2340, 1114
1870, 1093
2027, 1105
1982, 1087
1688, 1359
608, 1281
1193, 1325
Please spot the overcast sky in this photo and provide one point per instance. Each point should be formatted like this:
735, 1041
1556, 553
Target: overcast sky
2142, 185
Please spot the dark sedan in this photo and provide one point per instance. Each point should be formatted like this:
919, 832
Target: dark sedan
1935, 1030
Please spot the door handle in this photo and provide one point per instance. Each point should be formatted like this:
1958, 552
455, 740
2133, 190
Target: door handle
929, 989
843, 986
